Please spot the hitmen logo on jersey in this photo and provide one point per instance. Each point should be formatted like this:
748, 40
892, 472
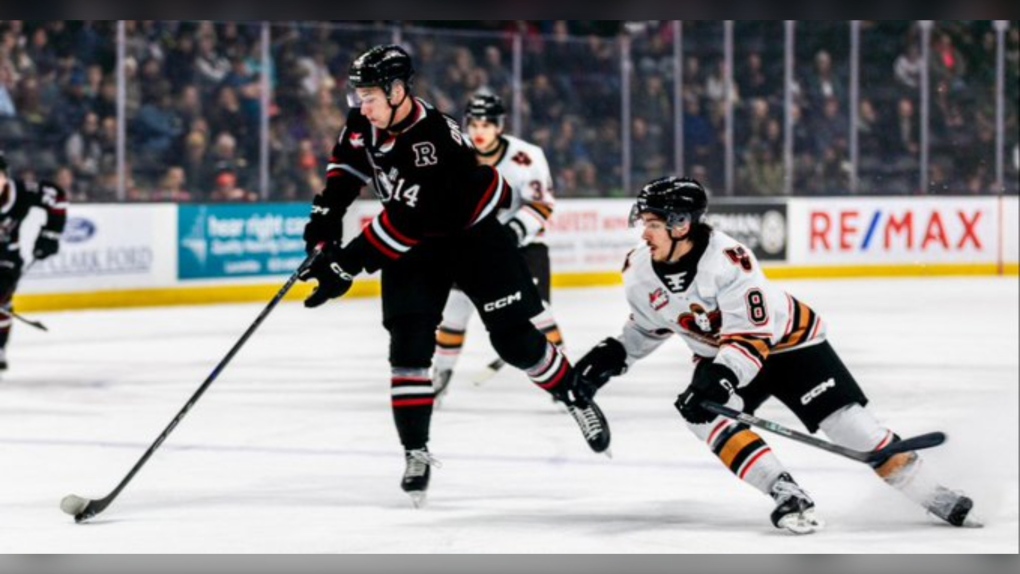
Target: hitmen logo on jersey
357, 140
699, 321
658, 299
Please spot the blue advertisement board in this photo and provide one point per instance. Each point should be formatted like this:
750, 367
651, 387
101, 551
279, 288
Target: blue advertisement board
223, 241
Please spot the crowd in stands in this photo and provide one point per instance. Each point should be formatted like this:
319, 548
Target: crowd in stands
194, 103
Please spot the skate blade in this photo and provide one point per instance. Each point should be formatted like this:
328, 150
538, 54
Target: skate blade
802, 522
417, 498
608, 452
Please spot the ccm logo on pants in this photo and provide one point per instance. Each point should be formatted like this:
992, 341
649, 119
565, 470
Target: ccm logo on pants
810, 395
504, 302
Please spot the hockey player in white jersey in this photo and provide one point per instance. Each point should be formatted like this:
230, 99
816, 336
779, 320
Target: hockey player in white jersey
525, 169
751, 341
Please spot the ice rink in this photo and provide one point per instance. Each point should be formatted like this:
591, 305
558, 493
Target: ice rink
293, 449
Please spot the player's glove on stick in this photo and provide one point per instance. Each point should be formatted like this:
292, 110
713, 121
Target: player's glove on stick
603, 362
47, 244
715, 383
334, 280
325, 225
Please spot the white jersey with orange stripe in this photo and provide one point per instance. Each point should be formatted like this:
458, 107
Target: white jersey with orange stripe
526, 171
722, 306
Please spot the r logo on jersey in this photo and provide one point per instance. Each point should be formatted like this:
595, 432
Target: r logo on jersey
357, 140
424, 154
659, 299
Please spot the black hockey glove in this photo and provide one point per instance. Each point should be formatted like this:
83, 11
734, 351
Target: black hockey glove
603, 362
47, 244
713, 382
517, 228
328, 269
325, 225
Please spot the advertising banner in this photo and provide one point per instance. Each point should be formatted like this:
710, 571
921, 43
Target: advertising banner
104, 247
251, 240
760, 226
590, 235
909, 230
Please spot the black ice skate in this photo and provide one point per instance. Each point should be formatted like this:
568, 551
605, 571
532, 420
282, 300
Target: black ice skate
953, 507
592, 422
795, 511
577, 397
416, 475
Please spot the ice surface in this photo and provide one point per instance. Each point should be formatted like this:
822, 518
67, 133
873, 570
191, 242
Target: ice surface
293, 449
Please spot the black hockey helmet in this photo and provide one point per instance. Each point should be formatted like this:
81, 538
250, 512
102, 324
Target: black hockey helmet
677, 200
488, 107
380, 67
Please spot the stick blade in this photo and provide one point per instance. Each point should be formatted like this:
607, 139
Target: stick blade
73, 504
919, 442
490, 371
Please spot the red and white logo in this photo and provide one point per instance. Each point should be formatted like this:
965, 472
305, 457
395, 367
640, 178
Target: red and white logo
658, 299
357, 140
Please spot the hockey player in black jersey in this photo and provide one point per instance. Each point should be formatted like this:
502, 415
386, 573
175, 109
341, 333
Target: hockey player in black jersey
438, 227
16, 198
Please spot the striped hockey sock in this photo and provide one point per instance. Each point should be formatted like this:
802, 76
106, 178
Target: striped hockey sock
550, 372
745, 453
413, 399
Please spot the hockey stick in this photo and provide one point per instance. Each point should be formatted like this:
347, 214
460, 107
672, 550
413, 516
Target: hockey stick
918, 442
11, 313
36, 324
490, 370
84, 508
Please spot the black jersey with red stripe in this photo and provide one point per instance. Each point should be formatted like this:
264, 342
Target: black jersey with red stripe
425, 173
16, 199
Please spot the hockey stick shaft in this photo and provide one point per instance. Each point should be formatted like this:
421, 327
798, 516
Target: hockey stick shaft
11, 313
94, 507
914, 443
36, 324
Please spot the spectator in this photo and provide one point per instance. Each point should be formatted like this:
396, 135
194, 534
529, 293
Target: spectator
171, 187
651, 101
210, 65
84, 150
907, 67
158, 125
227, 116
752, 81
325, 117
761, 172
226, 189
224, 157
7, 108
315, 73
195, 159
823, 84
180, 61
